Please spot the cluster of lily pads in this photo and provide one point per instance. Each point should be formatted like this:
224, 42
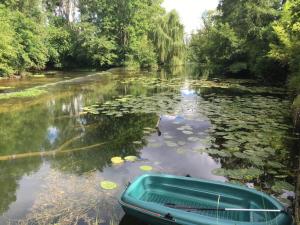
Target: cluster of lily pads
109, 185
129, 104
119, 160
248, 132
176, 82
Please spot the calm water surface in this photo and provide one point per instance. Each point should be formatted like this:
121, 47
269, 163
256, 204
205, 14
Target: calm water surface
64, 187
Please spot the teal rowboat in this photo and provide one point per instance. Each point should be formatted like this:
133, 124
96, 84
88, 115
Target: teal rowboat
165, 199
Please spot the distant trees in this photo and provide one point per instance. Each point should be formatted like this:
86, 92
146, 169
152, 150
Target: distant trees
236, 39
37, 34
21, 42
286, 48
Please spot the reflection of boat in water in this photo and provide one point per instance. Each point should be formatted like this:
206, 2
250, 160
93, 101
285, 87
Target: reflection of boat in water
130, 220
165, 199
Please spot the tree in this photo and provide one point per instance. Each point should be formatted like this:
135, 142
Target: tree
94, 49
87, 33
22, 43
237, 39
168, 39
8, 53
286, 49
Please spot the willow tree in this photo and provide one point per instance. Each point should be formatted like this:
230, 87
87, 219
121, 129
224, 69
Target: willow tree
168, 39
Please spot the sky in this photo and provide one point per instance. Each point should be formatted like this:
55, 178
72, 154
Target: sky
190, 11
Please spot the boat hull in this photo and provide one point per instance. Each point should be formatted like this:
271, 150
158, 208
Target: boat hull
146, 200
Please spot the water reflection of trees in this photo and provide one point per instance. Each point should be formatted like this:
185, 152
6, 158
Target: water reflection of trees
23, 131
11, 173
117, 134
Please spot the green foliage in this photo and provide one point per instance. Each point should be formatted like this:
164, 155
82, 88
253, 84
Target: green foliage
126, 27
286, 49
143, 54
37, 34
22, 43
30, 36
8, 53
168, 39
235, 39
92, 48
59, 44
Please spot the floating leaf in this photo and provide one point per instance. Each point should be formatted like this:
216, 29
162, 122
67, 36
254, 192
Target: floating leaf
181, 143
117, 160
155, 145
146, 168
279, 186
239, 174
276, 165
131, 158
194, 139
108, 185
171, 144
240, 155
168, 137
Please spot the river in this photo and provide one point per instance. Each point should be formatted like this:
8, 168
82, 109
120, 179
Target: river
56, 148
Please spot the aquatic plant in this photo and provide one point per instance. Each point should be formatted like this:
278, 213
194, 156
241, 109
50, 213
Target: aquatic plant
108, 185
146, 168
31, 92
117, 160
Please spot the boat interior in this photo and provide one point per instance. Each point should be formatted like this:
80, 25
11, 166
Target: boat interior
195, 194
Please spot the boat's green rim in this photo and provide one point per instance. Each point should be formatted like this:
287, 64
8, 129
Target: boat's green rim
145, 211
272, 199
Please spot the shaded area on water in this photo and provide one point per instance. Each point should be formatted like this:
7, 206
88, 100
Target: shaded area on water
205, 126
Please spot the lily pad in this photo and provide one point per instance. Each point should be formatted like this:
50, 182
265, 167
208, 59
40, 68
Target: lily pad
279, 186
181, 143
117, 160
194, 139
108, 185
146, 168
131, 158
171, 144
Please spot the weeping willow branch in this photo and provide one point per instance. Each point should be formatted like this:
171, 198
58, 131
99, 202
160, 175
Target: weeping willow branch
168, 38
48, 153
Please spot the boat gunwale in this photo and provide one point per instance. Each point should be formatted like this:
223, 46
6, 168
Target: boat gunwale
235, 186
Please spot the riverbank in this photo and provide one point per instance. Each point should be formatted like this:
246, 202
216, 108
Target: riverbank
33, 86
